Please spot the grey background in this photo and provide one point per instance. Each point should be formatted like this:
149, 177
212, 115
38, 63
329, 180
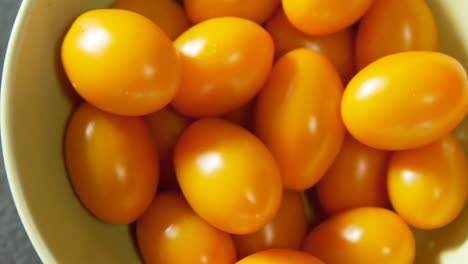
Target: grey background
15, 247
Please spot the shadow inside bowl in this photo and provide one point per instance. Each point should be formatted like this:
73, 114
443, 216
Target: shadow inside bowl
453, 36
65, 86
433, 245
448, 244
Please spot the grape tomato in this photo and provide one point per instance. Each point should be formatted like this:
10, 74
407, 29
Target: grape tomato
112, 163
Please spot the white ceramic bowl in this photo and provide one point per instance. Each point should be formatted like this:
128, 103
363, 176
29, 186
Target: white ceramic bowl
36, 102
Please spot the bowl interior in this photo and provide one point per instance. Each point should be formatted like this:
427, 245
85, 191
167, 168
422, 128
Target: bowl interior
37, 101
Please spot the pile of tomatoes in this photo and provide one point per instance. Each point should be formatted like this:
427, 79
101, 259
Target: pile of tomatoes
266, 131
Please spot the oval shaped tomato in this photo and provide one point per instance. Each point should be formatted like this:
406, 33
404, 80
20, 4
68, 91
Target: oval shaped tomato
112, 163
121, 62
298, 117
280, 256
318, 17
365, 235
222, 69
286, 230
427, 186
357, 178
406, 100
171, 232
167, 14
228, 176
166, 126
395, 26
258, 11
337, 47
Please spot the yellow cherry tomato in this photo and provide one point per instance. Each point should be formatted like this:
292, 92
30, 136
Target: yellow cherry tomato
167, 126
258, 10
167, 14
171, 232
366, 235
358, 177
319, 17
228, 176
121, 62
428, 185
337, 47
394, 26
298, 117
112, 163
225, 62
406, 100
280, 256
286, 230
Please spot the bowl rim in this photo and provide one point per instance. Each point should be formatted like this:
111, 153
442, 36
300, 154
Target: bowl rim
6, 118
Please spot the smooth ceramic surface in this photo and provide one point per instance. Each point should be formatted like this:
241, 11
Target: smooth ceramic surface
36, 103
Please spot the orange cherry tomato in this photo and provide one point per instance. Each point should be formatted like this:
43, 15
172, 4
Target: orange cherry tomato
258, 11
428, 185
319, 17
286, 230
167, 14
121, 62
298, 117
366, 235
167, 126
225, 62
402, 101
395, 26
242, 116
337, 47
228, 176
357, 178
112, 163
280, 256
171, 232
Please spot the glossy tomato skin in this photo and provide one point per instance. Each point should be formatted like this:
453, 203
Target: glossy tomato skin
258, 11
393, 26
286, 230
169, 15
337, 47
121, 62
112, 163
427, 186
357, 178
298, 117
171, 232
401, 101
227, 176
280, 256
365, 235
318, 17
222, 69
166, 126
